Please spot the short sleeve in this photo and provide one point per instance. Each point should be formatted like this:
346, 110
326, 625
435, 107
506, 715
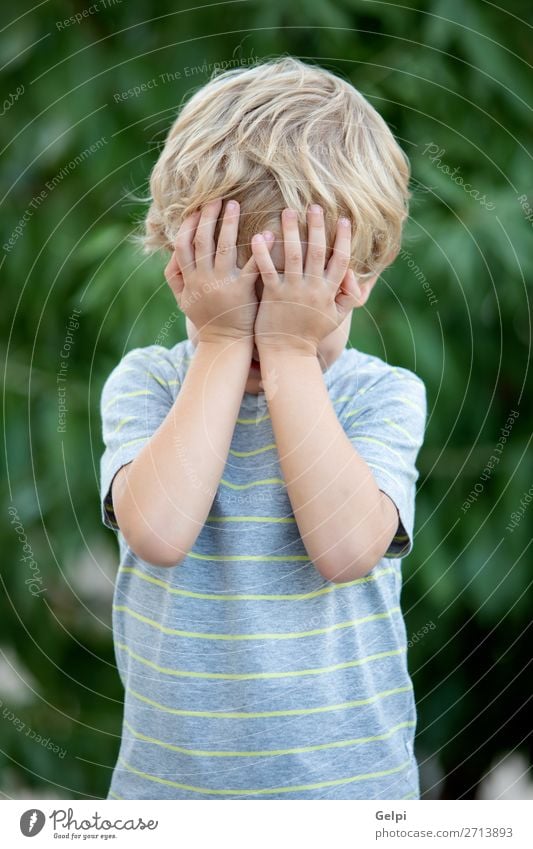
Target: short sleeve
135, 400
386, 424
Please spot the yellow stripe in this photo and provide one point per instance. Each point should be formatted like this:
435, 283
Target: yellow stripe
342, 398
115, 795
352, 397
210, 714
409, 403
252, 483
264, 791
401, 429
254, 452
265, 753
163, 382
155, 377
291, 635
409, 378
122, 422
381, 469
131, 442
353, 413
400, 398
128, 395
256, 558
249, 676
257, 597
254, 421
378, 442
282, 520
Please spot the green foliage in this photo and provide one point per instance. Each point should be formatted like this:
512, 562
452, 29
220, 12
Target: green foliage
449, 75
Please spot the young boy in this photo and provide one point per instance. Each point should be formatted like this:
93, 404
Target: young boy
261, 475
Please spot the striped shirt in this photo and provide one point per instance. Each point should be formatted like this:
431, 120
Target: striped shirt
246, 673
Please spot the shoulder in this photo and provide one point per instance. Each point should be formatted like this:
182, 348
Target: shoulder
156, 355
151, 364
356, 373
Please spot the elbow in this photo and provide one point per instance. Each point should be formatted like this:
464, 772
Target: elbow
149, 543
153, 550
341, 565
146, 532
156, 552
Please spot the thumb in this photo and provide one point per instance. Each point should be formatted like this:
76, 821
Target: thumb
349, 294
174, 276
250, 270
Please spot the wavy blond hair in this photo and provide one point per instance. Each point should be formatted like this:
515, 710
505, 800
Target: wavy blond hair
282, 133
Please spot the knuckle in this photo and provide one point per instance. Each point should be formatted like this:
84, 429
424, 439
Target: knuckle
316, 252
294, 255
172, 271
224, 248
341, 256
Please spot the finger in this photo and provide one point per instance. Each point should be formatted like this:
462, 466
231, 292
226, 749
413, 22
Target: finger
174, 277
261, 246
204, 238
172, 268
183, 242
226, 253
347, 298
315, 257
291, 245
340, 258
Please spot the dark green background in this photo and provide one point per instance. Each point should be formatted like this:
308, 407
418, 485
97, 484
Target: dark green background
451, 74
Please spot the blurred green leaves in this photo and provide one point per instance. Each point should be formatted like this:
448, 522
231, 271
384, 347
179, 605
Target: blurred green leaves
447, 74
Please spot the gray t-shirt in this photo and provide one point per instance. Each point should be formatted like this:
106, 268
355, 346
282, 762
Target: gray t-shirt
246, 673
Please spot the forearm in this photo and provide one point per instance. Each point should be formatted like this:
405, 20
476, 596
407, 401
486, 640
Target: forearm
345, 522
171, 484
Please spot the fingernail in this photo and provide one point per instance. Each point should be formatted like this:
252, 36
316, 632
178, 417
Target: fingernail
315, 208
258, 238
232, 204
290, 213
268, 235
345, 222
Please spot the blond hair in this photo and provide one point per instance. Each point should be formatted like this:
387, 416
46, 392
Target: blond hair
279, 134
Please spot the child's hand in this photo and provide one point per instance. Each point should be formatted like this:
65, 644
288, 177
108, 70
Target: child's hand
300, 307
217, 296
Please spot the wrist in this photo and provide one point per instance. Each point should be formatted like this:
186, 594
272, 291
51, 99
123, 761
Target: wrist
283, 348
234, 349
226, 339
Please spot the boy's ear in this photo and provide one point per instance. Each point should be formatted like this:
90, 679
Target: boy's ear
363, 289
